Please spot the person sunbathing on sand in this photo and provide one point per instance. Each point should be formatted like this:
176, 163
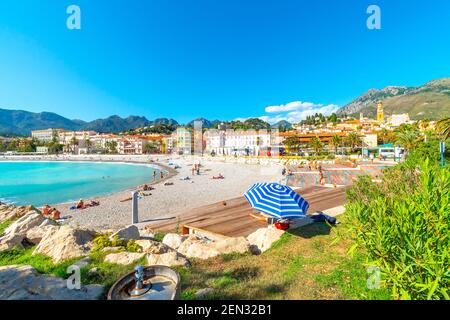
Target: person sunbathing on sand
219, 177
55, 214
80, 204
46, 210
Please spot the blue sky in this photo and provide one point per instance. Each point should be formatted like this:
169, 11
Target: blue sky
219, 59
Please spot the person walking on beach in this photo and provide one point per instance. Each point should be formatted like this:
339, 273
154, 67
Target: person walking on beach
193, 170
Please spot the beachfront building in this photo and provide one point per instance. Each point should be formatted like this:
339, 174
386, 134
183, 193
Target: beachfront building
130, 145
236, 142
184, 143
168, 144
47, 135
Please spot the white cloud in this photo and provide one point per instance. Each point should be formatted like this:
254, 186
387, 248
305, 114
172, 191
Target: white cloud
291, 106
297, 111
294, 112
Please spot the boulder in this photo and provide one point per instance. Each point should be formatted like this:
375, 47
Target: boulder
16, 234
36, 234
189, 241
27, 222
66, 243
11, 241
262, 239
196, 247
128, 233
151, 246
25, 283
169, 259
231, 245
124, 258
174, 240
8, 212
201, 250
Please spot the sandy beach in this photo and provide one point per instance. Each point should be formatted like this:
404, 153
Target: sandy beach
171, 201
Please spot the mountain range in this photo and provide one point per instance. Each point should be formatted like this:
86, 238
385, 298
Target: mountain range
19, 122
430, 101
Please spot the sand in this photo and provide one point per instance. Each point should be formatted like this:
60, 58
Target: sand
171, 201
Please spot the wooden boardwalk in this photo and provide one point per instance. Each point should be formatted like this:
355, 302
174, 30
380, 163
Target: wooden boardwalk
232, 218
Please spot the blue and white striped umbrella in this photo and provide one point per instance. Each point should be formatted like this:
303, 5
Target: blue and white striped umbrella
277, 200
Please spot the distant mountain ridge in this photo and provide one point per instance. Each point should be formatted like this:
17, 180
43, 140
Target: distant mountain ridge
19, 122
430, 101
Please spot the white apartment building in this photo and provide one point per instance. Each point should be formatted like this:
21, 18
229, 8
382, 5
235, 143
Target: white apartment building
236, 142
66, 137
46, 135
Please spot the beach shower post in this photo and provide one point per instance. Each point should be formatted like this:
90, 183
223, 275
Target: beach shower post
134, 207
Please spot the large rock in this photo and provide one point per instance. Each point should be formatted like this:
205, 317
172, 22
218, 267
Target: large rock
201, 250
196, 247
188, 242
231, 245
16, 234
169, 259
262, 239
38, 233
151, 246
124, 258
66, 243
11, 241
27, 222
174, 240
25, 283
9, 212
128, 233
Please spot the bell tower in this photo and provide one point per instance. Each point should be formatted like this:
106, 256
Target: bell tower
380, 111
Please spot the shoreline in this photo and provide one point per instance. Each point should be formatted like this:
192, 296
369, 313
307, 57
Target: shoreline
168, 171
185, 192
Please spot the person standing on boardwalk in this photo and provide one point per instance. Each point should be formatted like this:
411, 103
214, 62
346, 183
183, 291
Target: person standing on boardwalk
321, 177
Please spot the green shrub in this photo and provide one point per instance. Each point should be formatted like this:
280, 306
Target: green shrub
403, 225
104, 241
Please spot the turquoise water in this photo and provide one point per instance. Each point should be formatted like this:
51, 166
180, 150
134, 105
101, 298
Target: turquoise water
38, 183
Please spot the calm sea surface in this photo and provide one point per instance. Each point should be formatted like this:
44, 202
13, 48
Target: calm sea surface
38, 183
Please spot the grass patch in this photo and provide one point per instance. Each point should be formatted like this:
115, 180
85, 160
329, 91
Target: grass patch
307, 263
41, 263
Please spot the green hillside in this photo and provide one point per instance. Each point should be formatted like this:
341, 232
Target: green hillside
430, 101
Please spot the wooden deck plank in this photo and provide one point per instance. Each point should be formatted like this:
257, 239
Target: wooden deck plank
233, 219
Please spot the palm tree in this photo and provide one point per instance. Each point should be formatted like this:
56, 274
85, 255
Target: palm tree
292, 143
316, 144
353, 140
444, 127
73, 143
407, 139
385, 136
336, 141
